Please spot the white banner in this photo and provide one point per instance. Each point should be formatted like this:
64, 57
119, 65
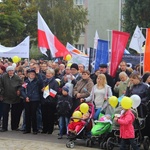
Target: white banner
80, 59
21, 50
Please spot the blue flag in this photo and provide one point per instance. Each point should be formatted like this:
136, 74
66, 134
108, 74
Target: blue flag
101, 53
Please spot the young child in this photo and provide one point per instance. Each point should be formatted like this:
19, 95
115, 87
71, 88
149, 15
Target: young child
127, 134
64, 106
105, 118
75, 127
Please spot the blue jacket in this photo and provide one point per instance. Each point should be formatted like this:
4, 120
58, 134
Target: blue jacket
32, 89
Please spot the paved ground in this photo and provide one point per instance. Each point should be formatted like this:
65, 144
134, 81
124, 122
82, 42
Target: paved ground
15, 140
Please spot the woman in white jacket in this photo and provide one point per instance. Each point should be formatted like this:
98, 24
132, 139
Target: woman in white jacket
99, 94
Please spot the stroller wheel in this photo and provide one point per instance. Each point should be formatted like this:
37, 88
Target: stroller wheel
88, 143
101, 145
70, 144
104, 145
110, 143
146, 143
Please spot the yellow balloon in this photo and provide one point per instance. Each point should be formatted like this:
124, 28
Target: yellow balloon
69, 64
68, 57
84, 108
77, 114
19, 59
15, 59
126, 102
113, 101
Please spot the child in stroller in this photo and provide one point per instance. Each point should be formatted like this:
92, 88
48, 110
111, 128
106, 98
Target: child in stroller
100, 131
77, 124
80, 124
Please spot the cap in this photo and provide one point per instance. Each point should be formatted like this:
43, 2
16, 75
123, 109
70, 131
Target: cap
65, 88
74, 66
103, 65
2, 68
10, 68
31, 70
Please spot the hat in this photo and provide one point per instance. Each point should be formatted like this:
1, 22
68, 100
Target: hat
103, 65
65, 88
10, 68
31, 70
74, 66
145, 76
2, 68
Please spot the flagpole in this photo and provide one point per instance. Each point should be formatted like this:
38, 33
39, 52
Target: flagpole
141, 53
108, 32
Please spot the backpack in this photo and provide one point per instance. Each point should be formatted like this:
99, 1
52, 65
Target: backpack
63, 108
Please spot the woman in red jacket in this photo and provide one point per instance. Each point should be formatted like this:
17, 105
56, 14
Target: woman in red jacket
127, 133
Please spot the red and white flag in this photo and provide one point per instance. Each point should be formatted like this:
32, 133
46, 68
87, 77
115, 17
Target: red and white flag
52, 93
24, 85
47, 40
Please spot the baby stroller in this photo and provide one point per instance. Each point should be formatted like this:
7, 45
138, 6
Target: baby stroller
84, 132
139, 124
101, 128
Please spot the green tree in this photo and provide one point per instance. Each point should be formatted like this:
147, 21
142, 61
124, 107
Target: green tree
18, 19
65, 20
11, 23
136, 12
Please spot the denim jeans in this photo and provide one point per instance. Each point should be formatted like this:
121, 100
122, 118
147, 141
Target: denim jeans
97, 112
63, 123
125, 142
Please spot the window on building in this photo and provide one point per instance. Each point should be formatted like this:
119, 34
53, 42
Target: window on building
78, 2
79, 47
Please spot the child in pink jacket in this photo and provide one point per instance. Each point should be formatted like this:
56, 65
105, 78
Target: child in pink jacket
127, 133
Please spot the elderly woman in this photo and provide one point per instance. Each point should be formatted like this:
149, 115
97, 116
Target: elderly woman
49, 101
121, 86
82, 88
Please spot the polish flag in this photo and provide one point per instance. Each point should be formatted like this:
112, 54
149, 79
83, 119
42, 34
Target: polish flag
47, 40
24, 85
52, 93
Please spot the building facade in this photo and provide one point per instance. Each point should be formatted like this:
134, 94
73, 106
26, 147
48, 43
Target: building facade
103, 16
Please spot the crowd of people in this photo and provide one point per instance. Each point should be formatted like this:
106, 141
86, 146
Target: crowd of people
24, 86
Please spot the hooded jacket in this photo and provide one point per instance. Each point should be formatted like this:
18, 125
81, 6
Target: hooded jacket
126, 125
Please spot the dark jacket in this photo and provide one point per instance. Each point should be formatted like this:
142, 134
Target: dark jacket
64, 105
32, 89
53, 84
140, 89
9, 88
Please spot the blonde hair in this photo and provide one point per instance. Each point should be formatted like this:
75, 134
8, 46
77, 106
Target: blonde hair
103, 77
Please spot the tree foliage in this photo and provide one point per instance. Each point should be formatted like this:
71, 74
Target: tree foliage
136, 12
65, 20
18, 19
